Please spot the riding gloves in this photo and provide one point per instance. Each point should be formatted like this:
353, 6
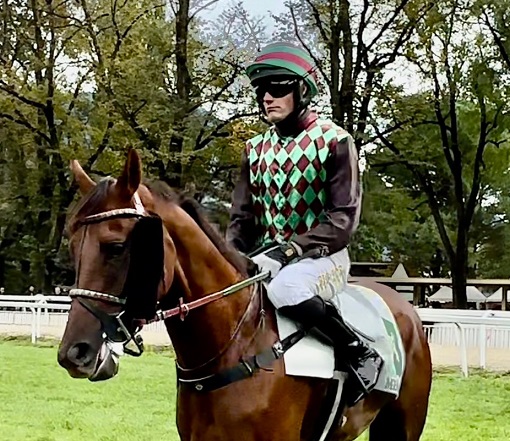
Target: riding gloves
276, 258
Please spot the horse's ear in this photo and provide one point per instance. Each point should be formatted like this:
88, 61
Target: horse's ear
85, 183
131, 176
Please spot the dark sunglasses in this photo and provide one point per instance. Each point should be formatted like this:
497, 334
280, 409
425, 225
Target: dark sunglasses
277, 89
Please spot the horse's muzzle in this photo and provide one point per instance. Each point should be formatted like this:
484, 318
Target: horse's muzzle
107, 364
82, 361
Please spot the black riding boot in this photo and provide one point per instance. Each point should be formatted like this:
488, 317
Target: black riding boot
362, 361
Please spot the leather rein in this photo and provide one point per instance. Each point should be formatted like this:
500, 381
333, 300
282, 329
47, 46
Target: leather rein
113, 323
115, 329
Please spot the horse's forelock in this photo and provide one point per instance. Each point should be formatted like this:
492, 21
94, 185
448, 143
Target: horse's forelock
90, 203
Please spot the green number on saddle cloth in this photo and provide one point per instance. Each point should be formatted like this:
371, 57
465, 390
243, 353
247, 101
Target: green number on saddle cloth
397, 355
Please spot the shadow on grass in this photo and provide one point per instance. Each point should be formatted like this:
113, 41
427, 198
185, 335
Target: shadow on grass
51, 342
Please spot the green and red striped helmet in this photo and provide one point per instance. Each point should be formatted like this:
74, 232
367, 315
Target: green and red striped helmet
283, 59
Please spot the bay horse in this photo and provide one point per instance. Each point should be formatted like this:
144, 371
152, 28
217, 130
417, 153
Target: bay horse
139, 247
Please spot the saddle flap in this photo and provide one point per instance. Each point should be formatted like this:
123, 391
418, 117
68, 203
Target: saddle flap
369, 316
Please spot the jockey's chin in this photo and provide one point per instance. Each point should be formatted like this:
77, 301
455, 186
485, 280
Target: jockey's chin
276, 115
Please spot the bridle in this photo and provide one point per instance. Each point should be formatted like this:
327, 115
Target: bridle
115, 330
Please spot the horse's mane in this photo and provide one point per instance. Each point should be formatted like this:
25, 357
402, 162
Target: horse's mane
196, 212
91, 204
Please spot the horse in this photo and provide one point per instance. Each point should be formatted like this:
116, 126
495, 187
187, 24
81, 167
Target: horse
140, 248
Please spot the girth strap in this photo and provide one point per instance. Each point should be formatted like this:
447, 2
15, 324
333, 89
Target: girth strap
246, 368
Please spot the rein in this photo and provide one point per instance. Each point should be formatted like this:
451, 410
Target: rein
115, 330
184, 308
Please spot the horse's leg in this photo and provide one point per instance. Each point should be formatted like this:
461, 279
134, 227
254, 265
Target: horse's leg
404, 419
359, 417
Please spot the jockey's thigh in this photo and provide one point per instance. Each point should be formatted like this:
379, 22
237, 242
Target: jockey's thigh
301, 281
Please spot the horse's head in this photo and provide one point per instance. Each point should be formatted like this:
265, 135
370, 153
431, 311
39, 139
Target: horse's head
124, 260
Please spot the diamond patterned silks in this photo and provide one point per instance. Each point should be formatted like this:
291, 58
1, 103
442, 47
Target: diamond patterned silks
286, 178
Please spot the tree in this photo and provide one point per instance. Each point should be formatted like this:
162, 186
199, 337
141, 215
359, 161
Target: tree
166, 82
354, 46
441, 135
395, 226
37, 36
103, 75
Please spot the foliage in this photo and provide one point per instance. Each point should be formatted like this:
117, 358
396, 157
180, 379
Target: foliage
423, 87
104, 75
437, 141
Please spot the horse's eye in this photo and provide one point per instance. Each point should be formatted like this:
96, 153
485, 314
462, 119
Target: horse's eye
114, 249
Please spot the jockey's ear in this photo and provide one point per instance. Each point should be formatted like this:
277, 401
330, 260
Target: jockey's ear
131, 176
84, 181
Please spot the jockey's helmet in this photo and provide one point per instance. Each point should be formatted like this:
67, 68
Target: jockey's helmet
281, 62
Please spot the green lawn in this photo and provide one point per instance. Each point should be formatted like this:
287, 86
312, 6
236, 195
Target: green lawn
38, 401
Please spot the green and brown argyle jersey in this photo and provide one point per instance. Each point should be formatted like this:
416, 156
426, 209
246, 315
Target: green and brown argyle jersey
303, 188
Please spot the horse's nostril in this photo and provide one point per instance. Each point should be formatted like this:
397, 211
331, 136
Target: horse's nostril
80, 354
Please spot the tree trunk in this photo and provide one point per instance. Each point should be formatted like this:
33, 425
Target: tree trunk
2, 271
459, 277
459, 270
173, 172
347, 88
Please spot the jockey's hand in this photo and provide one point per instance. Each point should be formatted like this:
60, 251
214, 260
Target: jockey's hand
275, 259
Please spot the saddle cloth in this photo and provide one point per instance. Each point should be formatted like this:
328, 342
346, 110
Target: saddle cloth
369, 316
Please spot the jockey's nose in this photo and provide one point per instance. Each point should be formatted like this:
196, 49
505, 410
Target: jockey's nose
268, 98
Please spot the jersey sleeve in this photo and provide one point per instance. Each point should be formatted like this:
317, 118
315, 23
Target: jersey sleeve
343, 205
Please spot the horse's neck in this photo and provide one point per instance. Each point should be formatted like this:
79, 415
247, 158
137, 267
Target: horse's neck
203, 270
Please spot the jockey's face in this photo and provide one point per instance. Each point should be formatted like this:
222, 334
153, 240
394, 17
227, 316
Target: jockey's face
277, 98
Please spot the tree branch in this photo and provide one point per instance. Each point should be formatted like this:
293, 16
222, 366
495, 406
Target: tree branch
102, 146
386, 25
307, 48
21, 120
77, 90
482, 143
9, 89
498, 40
122, 37
201, 144
430, 193
201, 8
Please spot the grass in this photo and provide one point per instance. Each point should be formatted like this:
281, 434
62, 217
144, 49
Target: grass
40, 402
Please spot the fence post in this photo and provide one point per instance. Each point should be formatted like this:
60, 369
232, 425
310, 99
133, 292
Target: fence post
483, 341
34, 325
463, 350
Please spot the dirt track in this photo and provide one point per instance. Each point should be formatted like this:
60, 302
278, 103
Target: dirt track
497, 359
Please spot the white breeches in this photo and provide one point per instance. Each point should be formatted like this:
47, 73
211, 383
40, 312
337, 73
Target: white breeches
300, 281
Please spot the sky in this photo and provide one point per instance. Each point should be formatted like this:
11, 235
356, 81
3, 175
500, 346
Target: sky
257, 7
402, 74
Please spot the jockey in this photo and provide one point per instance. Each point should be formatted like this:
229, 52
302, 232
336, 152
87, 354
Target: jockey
299, 191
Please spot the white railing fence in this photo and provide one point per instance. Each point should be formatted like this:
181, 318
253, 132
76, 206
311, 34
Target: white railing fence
444, 327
